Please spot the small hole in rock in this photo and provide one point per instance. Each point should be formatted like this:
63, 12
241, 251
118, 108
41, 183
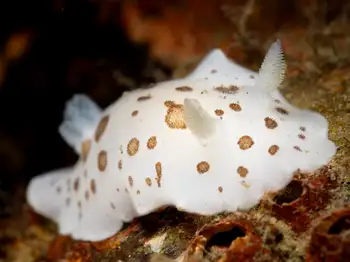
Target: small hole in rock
275, 237
224, 239
292, 192
278, 237
340, 226
169, 216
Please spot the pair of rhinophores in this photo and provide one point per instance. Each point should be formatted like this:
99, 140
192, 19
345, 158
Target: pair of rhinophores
214, 141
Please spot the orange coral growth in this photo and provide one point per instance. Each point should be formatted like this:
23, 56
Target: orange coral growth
15, 47
177, 32
330, 240
299, 202
117, 239
79, 252
181, 31
233, 239
58, 247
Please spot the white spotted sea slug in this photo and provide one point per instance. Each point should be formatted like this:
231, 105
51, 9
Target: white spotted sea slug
214, 141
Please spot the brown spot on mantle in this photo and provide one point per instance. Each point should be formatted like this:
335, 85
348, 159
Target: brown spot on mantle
245, 142
219, 112
133, 146
273, 149
175, 117
101, 127
270, 123
85, 149
93, 186
203, 167
152, 142
235, 107
102, 160
242, 171
159, 173
184, 89
227, 90
144, 98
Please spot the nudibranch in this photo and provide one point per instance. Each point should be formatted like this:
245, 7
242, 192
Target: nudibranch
213, 141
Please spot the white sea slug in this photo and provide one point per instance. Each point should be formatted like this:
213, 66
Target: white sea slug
214, 141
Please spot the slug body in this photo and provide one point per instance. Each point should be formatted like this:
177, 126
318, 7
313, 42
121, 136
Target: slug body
214, 141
